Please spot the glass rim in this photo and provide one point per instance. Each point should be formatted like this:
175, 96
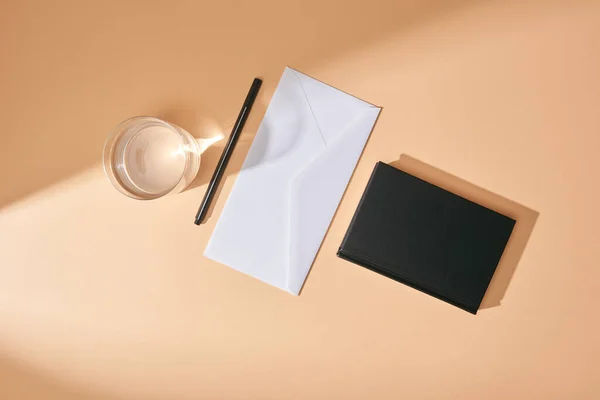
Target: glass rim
108, 155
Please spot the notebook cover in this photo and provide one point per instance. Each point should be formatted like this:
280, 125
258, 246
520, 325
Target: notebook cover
426, 237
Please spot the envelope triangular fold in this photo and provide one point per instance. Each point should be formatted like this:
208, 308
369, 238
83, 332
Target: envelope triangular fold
316, 193
332, 108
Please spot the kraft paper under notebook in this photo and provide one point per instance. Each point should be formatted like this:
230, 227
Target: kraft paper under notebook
426, 237
292, 181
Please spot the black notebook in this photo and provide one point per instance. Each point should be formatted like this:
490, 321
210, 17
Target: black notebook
426, 237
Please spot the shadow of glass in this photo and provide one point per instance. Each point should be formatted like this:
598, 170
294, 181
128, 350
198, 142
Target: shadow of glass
524, 216
202, 127
268, 150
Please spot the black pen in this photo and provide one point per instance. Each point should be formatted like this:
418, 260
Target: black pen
227, 151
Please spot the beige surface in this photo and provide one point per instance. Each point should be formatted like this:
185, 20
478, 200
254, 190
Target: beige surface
103, 297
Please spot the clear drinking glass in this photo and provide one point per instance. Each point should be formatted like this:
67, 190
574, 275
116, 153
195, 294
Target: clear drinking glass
146, 158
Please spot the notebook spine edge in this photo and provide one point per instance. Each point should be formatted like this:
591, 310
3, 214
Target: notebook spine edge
359, 206
382, 271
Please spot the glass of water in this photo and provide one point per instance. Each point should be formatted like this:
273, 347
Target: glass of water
146, 158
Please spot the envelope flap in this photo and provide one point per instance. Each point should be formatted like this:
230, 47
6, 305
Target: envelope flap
331, 108
316, 192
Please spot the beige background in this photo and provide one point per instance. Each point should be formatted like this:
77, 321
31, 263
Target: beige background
103, 297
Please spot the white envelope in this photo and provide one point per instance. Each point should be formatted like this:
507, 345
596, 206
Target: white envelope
292, 181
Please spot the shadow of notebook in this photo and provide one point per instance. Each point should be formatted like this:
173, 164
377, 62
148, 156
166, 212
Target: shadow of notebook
426, 237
